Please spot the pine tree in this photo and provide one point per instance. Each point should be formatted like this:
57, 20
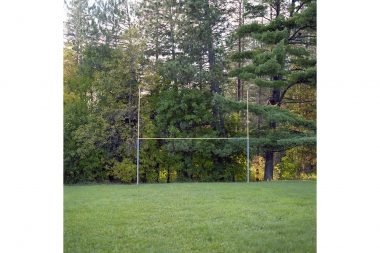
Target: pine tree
77, 26
112, 19
283, 55
158, 20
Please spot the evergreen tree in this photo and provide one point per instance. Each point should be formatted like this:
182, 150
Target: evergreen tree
283, 55
77, 26
159, 21
112, 18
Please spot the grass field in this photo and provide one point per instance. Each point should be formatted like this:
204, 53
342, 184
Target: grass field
191, 217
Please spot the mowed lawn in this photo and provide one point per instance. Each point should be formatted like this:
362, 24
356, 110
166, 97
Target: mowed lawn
191, 217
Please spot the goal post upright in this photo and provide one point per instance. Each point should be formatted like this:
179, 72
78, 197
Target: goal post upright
247, 137
138, 141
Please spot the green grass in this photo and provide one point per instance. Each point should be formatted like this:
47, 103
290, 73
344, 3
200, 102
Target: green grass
191, 217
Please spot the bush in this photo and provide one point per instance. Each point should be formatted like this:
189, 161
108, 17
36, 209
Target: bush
125, 171
299, 163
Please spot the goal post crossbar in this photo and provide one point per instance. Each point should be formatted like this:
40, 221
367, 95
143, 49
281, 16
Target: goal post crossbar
192, 138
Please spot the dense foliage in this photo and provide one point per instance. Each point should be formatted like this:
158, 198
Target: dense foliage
193, 59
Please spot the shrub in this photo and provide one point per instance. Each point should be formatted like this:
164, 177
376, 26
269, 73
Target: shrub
125, 171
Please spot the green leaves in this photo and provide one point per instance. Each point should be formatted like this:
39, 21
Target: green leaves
269, 83
125, 171
177, 51
188, 110
307, 76
298, 141
282, 55
270, 113
271, 37
306, 18
270, 67
248, 29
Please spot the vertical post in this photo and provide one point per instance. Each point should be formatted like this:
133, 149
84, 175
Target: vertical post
247, 137
138, 141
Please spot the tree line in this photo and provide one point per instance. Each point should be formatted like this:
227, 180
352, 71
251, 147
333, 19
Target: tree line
196, 59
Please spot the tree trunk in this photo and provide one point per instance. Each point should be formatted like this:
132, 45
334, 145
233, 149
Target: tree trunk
276, 96
172, 40
238, 90
257, 174
268, 171
259, 117
168, 177
269, 165
214, 82
156, 31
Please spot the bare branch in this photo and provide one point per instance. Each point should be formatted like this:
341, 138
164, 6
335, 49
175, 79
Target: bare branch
299, 7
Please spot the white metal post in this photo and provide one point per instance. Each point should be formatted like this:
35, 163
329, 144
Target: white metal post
247, 137
138, 141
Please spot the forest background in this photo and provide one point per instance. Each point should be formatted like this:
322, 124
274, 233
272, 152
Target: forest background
195, 59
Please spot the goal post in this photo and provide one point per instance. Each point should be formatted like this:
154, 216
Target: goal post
186, 138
